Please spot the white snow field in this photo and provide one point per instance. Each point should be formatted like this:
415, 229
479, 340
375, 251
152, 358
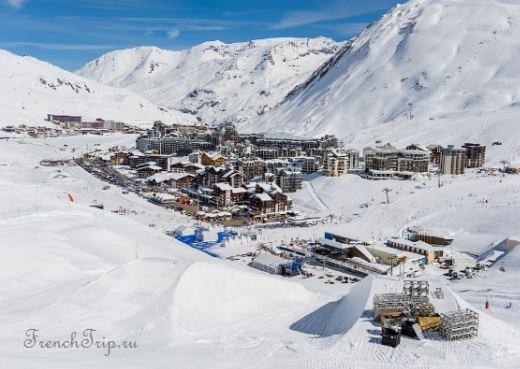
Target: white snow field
30, 89
68, 267
215, 81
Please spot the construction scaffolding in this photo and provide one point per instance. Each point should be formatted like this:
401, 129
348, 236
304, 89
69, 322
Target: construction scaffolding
421, 305
439, 293
397, 304
416, 288
390, 303
459, 325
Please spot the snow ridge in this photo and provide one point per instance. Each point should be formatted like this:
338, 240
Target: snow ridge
453, 61
30, 89
214, 81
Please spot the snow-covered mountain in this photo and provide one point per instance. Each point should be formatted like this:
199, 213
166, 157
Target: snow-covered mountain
214, 81
30, 89
455, 62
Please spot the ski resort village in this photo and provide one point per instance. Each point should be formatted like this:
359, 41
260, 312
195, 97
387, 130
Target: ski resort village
296, 202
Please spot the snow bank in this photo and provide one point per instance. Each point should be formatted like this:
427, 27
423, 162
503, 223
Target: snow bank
211, 296
122, 301
339, 316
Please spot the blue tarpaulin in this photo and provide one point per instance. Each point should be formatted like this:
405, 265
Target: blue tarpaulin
195, 240
330, 236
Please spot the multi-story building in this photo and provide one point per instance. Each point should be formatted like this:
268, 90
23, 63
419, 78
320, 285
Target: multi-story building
389, 158
244, 149
212, 175
195, 145
336, 163
435, 154
295, 147
229, 132
430, 252
265, 153
476, 155
353, 158
416, 161
306, 164
194, 157
177, 140
148, 169
453, 161
209, 159
250, 167
163, 161
165, 145
233, 177
269, 200
173, 180
120, 158
310, 164
63, 118
272, 165
290, 152
223, 196
289, 180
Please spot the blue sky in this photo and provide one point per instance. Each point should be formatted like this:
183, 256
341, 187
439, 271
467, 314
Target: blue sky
69, 33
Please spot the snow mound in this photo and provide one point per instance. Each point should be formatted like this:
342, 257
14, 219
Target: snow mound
340, 316
124, 301
212, 296
505, 251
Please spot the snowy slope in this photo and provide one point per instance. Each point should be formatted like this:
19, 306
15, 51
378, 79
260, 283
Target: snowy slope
68, 267
455, 61
215, 81
30, 89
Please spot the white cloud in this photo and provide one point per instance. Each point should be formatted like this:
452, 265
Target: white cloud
174, 33
17, 4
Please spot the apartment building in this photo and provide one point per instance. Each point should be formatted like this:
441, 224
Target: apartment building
453, 161
250, 167
389, 158
289, 180
476, 155
336, 163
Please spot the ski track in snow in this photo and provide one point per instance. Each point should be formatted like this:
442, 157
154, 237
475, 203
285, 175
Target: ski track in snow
312, 193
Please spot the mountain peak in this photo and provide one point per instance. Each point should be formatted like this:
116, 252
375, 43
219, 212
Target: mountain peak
453, 63
35, 88
215, 81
